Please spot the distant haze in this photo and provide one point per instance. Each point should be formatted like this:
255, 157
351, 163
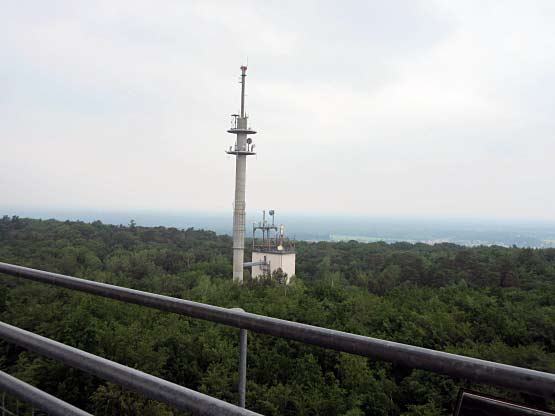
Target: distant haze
319, 227
385, 109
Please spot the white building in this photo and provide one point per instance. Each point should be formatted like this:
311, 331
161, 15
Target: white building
273, 251
284, 261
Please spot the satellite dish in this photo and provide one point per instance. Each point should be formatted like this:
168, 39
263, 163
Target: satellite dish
249, 140
271, 212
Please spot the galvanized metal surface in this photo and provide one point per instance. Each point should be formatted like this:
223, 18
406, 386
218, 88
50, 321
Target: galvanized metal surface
152, 387
475, 404
254, 263
242, 364
39, 398
242, 367
480, 371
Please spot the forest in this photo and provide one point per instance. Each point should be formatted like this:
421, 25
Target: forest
493, 303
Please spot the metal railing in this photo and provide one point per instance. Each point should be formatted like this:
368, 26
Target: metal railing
153, 387
476, 404
480, 371
36, 397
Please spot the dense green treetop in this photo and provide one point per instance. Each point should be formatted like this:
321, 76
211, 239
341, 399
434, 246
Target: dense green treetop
489, 302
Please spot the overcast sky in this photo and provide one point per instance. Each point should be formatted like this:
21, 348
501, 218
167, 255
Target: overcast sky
395, 108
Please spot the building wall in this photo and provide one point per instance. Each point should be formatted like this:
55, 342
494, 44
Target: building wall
284, 261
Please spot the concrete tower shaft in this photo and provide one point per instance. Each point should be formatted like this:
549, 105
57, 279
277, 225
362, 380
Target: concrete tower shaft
241, 150
239, 208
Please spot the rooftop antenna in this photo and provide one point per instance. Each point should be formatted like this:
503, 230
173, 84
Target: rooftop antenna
274, 252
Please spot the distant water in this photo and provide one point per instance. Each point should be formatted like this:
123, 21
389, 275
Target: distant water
331, 227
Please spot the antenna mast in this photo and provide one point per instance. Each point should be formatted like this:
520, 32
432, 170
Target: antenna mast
243, 148
243, 75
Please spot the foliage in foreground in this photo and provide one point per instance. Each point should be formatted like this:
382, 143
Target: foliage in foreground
489, 302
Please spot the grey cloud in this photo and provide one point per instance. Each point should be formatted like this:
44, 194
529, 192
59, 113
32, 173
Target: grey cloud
379, 108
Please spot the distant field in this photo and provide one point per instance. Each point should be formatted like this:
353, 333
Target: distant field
320, 227
359, 238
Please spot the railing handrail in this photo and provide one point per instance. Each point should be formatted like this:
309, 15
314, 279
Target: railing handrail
38, 398
484, 372
491, 405
153, 387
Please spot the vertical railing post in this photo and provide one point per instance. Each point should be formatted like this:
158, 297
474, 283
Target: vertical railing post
242, 387
242, 367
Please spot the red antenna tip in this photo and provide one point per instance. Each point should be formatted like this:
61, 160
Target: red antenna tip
243, 68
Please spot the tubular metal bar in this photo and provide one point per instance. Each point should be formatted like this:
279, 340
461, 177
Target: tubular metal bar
254, 263
242, 368
153, 387
242, 364
39, 398
472, 404
480, 371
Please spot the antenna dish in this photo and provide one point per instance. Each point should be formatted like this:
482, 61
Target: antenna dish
249, 140
271, 212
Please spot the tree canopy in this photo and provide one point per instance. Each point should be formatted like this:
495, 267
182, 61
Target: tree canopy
488, 302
